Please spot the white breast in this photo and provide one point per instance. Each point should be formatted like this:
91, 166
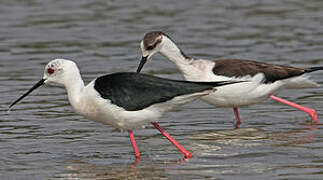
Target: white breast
93, 107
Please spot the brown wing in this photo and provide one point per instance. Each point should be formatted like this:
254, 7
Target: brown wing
238, 68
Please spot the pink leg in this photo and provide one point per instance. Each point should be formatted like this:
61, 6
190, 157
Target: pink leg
134, 145
311, 112
187, 154
236, 113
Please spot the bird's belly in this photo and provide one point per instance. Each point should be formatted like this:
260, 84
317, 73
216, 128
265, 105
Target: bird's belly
235, 95
99, 115
231, 101
100, 110
241, 94
119, 118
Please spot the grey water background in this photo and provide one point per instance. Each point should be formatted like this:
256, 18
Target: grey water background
42, 138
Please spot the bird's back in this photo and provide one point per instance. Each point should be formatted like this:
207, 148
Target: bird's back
135, 91
240, 68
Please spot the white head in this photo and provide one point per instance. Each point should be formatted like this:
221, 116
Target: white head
59, 71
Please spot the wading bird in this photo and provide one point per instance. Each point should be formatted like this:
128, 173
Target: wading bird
124, 100
275, 76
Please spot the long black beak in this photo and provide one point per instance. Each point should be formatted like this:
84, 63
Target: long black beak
142, 63
41, 82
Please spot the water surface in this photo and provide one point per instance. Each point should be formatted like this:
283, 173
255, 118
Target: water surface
42, 138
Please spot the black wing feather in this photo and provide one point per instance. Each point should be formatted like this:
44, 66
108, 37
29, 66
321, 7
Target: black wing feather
134, 91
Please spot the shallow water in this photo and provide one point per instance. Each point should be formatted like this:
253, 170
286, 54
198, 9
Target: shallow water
43, 139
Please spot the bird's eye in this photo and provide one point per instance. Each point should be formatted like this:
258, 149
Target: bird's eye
150, 47
50, 70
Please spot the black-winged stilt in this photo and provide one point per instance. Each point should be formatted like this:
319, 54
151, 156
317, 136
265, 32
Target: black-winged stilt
276, 76
124, 100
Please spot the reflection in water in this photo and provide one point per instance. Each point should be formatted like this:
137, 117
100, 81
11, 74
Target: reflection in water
216, 153
212, 142
305, 135
230, 134
141, 170
232, 149
249, 137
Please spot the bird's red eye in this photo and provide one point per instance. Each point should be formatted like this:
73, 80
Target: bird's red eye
50, 71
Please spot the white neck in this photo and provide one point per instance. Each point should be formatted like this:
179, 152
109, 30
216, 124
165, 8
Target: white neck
173, 53
74, 86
